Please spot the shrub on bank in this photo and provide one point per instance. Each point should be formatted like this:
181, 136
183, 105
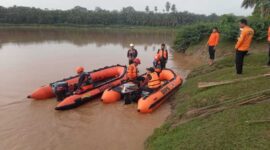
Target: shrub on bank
229, 29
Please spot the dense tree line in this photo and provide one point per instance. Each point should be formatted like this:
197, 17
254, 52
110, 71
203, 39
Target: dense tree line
82, 16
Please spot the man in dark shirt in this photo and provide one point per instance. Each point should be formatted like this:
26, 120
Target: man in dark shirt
132, 53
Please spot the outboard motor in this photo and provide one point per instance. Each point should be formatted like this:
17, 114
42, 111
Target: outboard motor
131, 93
61, 90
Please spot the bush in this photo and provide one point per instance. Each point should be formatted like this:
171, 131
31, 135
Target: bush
229, 29
191, 34
260, 26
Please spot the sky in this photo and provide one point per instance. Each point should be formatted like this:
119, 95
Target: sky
195, 6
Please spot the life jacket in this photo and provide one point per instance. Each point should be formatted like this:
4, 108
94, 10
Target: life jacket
213, 39
268, 39
132, 72
154, 82
163, 54
245, 39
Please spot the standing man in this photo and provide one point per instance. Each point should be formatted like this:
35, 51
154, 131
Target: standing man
163, 56
243, 45
269, 45
212, 43
132, 53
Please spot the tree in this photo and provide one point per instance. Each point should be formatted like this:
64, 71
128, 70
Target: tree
156, 8
98, 16
81, 9
168, 6
262, 5
174, 8
147, 8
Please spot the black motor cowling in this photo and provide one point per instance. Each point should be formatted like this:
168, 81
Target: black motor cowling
61, 90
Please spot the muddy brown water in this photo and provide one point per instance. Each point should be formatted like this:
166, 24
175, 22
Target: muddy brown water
30, 58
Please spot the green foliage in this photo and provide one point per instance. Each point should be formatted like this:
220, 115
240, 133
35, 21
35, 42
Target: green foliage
191, 34
81, 16
228, 27
261, 7
260, 26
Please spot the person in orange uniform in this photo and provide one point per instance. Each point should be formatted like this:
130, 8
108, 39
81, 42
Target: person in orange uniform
268, 45
212, 43
153, 80
132, 72
163, 55
243, 44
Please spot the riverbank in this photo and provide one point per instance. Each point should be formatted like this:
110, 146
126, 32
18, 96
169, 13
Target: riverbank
89, 27
233, 116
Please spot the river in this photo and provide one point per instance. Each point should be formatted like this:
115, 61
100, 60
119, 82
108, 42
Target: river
31, 57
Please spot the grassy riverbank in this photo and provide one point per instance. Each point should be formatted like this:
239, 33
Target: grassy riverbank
233, 116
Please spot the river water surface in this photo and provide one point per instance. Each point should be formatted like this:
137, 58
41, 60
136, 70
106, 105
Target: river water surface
30, 58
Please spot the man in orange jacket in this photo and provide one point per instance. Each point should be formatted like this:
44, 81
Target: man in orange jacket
243, 44
212, 43
269, 45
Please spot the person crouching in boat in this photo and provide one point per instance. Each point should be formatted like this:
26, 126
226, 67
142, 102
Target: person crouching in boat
132, 72
154, 82
132, 76
84, 79
157, 64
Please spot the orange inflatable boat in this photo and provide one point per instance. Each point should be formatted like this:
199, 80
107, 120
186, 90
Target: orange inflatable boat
103, 79
148, 103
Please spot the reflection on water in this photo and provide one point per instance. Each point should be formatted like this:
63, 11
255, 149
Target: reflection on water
33, 57
84, 37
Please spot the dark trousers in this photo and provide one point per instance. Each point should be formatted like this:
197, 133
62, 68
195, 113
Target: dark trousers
211, 50
163, 64
239, 61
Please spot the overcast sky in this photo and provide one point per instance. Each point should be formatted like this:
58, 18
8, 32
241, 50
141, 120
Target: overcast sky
195, 6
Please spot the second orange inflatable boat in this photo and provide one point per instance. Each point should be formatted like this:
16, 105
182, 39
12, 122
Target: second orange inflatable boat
102, 79
148, 103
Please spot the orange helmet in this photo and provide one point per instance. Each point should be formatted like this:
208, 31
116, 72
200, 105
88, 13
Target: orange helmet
157, 57
137, 61
79, 70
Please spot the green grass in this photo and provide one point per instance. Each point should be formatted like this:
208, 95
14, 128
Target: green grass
225, 129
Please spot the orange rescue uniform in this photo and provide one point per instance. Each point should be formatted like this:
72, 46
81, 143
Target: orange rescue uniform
245, 39
132, 72
213, 39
